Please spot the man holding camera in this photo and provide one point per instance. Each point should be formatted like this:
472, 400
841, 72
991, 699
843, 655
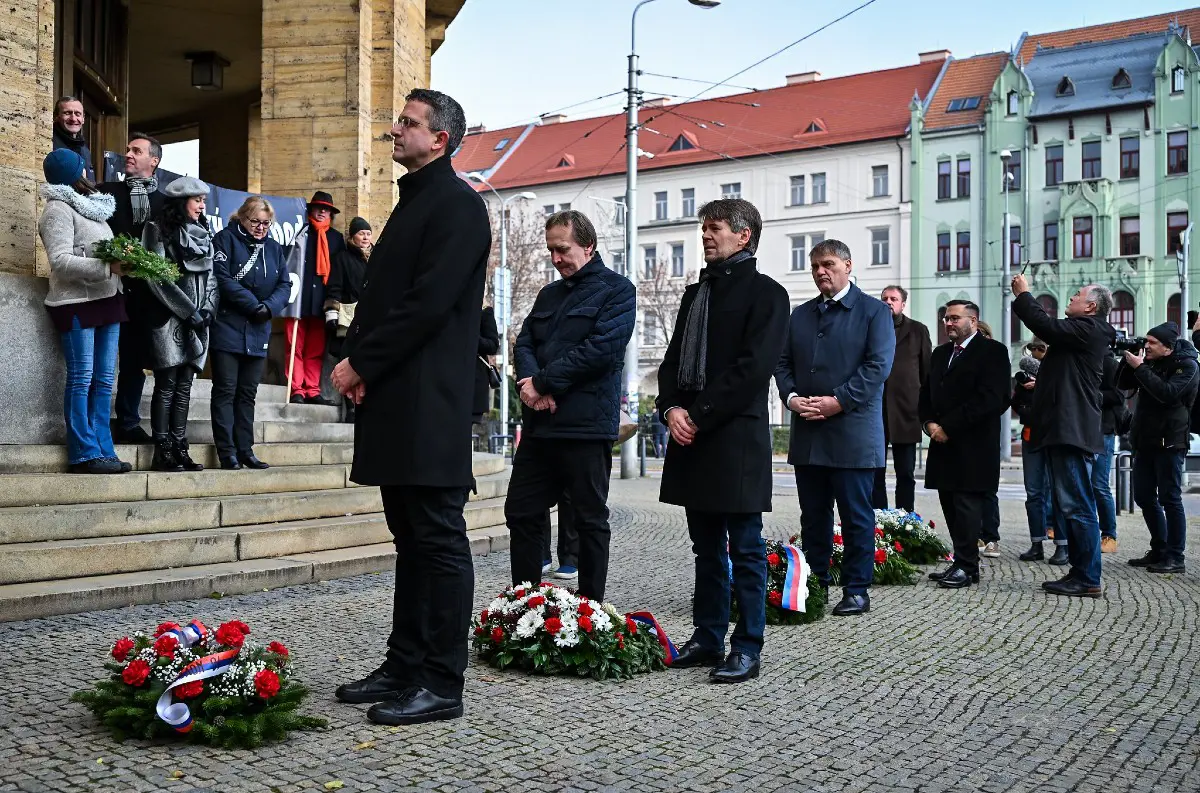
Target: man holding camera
1065, 419
1166, 377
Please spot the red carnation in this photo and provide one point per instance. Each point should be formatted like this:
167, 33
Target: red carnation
880, 556
136, 673
899, 548
278, 649
585, 610
585, 624
535, 601
553, 625
773, 559
630, 625
122, 648
190, 690
878, 532
519, 592
165, 646
241, 626
266, 684
837, 539
479, 630
497, 635
483, 615
775, 598
229, 635
164, 627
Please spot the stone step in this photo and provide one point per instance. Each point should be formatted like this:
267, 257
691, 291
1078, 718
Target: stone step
99, 556
75, 595
25, 524
202, 389
200, 431
200, 409
41, 459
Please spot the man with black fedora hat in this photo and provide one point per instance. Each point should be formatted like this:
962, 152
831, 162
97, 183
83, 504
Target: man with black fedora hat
306, 328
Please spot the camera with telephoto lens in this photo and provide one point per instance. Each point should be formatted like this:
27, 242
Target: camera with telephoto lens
1125, 343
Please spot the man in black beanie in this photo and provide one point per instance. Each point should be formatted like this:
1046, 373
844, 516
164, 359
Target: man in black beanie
1166, 377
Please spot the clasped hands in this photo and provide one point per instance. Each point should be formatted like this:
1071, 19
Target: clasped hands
534, 400
347, 381
814, 408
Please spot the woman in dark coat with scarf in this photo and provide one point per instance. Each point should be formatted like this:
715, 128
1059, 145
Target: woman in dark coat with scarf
179, 317
252, 280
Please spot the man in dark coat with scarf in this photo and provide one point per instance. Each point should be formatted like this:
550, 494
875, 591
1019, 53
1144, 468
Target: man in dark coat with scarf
831, 376
713, 387
901, 426
410, 367
960, 406
305, 334
68, 131
138, 200
1065, 419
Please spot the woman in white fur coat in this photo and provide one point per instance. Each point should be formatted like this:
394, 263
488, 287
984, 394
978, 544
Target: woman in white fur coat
86, 304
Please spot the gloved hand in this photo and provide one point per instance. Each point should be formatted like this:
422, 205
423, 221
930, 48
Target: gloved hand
207, 316
331, 327
261, 314
195, 321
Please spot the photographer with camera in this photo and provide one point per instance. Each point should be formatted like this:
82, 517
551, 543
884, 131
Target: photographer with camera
1065, 419
1035, 471
1166, 377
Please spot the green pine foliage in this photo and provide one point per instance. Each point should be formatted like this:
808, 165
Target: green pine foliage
143, 264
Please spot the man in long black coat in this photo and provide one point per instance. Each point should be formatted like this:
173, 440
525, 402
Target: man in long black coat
410, 366
901, 427
960, 406
713, 386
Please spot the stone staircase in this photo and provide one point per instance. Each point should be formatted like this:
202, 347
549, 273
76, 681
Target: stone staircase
75, 542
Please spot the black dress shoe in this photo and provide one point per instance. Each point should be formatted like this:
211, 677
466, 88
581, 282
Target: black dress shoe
231, 464
692, 653
297, 399
1151, 557
737, 668
135, 435
250, 461
379, 686
320, 400
1167, 566
1034, 554
958, 578
852, 605
1072, 588
941, 574
417, 706
1060, 557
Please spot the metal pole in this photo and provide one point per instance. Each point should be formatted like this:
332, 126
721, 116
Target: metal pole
1006, 314
1184, 299
502, 299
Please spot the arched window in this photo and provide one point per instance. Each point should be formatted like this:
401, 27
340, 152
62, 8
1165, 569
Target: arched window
1173, 312
1121, 317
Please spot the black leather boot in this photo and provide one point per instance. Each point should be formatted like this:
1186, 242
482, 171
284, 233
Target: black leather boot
164, 456
1060, 556
185, 459
1034, 554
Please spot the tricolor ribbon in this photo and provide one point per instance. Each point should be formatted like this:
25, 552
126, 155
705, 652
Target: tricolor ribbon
647, 619
795, 583
177, 714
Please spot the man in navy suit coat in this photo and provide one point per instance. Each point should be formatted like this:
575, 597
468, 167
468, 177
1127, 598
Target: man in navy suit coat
831, 376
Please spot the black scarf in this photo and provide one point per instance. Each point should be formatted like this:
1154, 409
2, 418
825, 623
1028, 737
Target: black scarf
693, 351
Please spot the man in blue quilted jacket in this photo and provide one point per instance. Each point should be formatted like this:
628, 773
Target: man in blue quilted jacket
569, 356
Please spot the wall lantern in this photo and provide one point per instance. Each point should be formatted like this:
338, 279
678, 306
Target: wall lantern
208, 70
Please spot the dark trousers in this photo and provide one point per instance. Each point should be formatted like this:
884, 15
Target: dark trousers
1158, 490
170, 403
904, 460
235, 380
568, 535
819, 487
543, 469
435, 586
712, 533
991, 519
964, 519
130, 377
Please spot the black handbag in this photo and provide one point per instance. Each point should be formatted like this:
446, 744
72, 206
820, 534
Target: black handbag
493, 374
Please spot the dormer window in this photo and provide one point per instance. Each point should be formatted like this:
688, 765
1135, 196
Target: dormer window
1014, 103
817, 125
964, 103
682, 143
1178, 79
566, 161
1065, 87
1121, 80
500, 146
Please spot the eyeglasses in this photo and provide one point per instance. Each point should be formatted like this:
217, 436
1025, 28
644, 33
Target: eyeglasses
951, 318
1038, 348
409, 123
259, 224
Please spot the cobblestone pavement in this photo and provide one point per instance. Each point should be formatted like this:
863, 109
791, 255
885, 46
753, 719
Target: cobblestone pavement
996, 688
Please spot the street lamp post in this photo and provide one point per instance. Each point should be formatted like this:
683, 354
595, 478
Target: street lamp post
1006, 299
629, 461
503, 296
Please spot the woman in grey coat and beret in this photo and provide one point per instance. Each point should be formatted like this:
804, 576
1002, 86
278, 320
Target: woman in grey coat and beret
179, 318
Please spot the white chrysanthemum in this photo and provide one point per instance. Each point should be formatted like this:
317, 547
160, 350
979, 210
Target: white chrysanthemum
566, 638
529, 624
566, 598
611, 610
496, 605
601, 621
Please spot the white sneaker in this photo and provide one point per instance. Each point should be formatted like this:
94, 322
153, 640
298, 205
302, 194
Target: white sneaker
991, 550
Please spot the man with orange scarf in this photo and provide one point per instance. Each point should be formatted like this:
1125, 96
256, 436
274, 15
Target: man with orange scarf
308, 330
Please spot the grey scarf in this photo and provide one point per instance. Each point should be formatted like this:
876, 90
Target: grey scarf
194, 243
139, 197
693, 351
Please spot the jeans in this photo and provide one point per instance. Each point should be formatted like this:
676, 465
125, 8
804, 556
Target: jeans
91, 357
435, 584
1158, 490
991, 519
543, 468
131, 379
1071, 483
904, 459
711, 533
235, 380
1039, 496
818, 488
1106, 505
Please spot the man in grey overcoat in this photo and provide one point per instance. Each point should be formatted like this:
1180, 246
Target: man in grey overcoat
831, 375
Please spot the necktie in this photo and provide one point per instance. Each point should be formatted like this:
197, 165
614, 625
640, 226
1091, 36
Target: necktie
957, 349
829, 303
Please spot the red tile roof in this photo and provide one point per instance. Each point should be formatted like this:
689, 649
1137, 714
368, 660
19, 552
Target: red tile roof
1188, 18
478, 152
965, 78
851, 109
